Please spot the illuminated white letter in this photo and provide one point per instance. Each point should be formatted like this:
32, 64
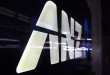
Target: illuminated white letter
32, 52
66, 30
78, 28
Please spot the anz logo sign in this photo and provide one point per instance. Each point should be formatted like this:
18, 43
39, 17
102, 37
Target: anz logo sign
35, 45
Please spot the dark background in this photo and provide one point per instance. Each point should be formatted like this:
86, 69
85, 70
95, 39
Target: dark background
20, 30
106, 36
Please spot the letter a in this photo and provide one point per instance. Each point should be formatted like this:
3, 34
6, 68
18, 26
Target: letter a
32, 52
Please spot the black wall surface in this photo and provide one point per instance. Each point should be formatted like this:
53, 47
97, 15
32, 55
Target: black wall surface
106, 36
97, 30
20, 31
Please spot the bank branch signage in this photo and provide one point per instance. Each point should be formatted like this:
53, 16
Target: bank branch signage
35, 45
